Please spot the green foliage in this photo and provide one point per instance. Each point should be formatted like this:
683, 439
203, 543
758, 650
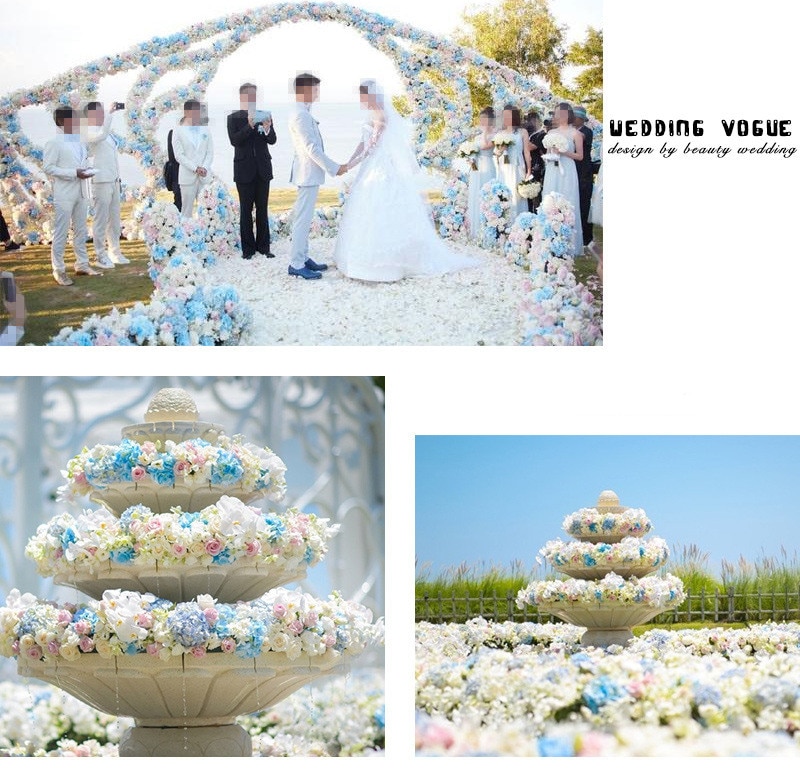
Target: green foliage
588, 88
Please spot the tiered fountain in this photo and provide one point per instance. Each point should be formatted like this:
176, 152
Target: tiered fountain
172, 559
611, 590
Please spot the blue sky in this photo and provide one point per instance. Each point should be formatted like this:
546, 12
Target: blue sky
494, 499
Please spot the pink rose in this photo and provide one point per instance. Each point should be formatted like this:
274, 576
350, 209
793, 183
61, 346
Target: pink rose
82, 627
228, 645
144, 619
59, 552
148, 448
329, 640
34, 653
213, 547
153, 649
198, 651
278, 610
211, 615
92, 551
181, 468
253, 548
178, 550
154, 524
137, 473
296, 627
80, 478
52, 647
86, 644
310, 620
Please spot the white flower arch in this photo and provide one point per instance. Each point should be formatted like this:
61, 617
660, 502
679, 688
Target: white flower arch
201, 47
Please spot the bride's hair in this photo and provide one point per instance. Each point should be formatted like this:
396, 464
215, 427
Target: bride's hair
371, 87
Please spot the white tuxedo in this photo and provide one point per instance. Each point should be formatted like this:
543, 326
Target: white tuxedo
105, 191
190, 156
62, 159
308, 172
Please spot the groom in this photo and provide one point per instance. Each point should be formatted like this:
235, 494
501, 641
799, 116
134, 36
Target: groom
308, 172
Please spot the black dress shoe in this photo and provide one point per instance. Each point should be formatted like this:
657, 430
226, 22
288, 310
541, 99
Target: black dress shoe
270, 254
248, 257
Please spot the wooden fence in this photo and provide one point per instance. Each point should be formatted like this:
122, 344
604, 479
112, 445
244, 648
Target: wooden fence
726, 606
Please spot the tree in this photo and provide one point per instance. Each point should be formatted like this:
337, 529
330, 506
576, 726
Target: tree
588, 87
521, 34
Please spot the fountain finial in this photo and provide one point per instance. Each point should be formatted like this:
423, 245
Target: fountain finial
171, 404
608, 502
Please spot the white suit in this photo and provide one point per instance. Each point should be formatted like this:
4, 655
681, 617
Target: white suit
62, 159
105, 192
192, 150
308, 172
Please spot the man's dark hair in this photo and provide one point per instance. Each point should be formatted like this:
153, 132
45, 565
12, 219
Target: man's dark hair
305, 79
246, 87
191, 104
92, 106
531, 116
60, 114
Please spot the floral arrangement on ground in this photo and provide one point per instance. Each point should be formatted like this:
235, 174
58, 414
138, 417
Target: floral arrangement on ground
338, 716
529, 689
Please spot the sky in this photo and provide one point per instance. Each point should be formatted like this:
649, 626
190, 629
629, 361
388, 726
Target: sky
495, 499
77, 32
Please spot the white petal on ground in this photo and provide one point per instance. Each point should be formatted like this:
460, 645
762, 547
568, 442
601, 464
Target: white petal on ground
469, 307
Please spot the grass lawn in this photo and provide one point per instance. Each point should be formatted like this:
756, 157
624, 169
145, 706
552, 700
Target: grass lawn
51, 307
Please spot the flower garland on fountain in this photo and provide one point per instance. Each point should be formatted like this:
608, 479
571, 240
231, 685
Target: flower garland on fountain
609, 590
188, 627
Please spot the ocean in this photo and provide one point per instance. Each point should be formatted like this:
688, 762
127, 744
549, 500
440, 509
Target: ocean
340, 125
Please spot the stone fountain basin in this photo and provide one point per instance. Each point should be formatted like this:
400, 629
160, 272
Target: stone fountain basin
243, 580
604, 616
183, 691
190, 497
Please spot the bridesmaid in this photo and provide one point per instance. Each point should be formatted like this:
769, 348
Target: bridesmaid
519, 156
486, 169
563, 178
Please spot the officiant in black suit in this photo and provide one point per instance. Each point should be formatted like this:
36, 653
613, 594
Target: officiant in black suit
252, 171
585, 172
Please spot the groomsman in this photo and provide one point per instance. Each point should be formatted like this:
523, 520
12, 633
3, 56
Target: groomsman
194, 152
585, 172
252, 172
106, 185
65, 161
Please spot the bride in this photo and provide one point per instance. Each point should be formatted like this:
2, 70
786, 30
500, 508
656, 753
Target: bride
386, 232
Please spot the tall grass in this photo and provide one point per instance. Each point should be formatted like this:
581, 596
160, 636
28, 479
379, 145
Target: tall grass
772, 585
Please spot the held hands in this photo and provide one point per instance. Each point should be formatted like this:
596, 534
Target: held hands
343, 169
202, 171
83, 174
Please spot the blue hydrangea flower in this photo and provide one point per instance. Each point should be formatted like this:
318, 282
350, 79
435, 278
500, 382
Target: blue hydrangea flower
600, 691
188, 625
548, 746
226, 469
122, 555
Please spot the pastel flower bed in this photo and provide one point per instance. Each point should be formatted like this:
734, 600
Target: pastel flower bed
612, 589
338, 716
588, 522
495, 210
196, 463
220, 534
630, 553
526, 689
129, 623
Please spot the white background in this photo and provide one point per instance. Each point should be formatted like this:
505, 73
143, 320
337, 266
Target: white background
701, 295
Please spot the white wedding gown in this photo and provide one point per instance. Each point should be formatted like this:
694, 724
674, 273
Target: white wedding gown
386, 232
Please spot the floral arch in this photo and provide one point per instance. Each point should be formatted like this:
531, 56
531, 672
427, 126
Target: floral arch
201, 48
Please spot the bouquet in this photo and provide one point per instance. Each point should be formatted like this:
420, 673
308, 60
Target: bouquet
529, 188
502, 141
469, 150
554, 140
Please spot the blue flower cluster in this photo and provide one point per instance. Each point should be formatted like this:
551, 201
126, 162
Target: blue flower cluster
188, 625
600, 691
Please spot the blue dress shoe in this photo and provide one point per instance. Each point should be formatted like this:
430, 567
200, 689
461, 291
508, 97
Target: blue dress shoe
316, 266
304, 272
